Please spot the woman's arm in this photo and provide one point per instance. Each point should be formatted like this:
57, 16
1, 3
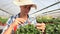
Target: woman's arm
9, 30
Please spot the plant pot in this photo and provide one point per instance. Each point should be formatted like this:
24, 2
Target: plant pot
0, 23
4, 24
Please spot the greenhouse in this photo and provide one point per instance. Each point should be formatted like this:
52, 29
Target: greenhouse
48, 12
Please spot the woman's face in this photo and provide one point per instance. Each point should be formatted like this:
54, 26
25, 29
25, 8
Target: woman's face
25, 9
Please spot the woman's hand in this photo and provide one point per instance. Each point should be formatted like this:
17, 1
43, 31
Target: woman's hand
18, 21
15, 23
40, 26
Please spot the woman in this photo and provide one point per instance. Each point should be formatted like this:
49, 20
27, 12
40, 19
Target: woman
22, 18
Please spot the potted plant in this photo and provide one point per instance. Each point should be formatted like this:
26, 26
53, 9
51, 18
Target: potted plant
3, 21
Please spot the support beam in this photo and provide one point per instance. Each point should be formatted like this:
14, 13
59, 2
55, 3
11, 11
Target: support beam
51, 11
46, 7
5, 11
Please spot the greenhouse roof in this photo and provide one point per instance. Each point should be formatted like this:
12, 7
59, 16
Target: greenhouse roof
44, 7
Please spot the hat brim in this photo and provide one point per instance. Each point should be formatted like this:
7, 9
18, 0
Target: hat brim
22, 3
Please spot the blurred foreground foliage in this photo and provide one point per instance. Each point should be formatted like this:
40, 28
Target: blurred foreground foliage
28, 29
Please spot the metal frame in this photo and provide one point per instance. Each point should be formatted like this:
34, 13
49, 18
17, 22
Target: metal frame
46, 7
36, 11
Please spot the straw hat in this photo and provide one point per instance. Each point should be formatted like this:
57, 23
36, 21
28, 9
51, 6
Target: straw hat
24, 2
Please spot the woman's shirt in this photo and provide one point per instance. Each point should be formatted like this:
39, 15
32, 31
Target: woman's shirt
32, 20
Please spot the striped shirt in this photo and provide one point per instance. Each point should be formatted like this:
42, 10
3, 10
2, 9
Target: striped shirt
12, 18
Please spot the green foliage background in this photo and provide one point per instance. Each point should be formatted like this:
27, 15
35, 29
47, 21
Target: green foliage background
52, 24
